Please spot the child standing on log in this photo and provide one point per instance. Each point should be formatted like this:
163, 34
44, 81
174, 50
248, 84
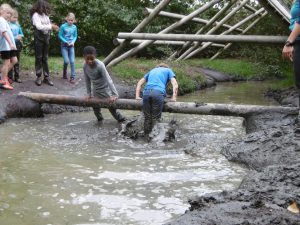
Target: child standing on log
154, 93
68, 35
16, 29
7, 45
98, 83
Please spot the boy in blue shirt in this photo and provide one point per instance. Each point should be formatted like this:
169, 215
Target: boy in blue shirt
154, 93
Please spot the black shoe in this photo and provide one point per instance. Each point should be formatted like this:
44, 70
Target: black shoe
122, 120
48, 81
65, 76
72, 80
38, 81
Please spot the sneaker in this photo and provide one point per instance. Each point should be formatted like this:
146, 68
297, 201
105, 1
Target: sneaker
18, 80
38, 81
48, 81
72, 80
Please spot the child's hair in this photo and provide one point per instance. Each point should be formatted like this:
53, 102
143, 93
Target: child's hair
14, 12
71, 16
40, 7
4, 7
89, 50
163, 65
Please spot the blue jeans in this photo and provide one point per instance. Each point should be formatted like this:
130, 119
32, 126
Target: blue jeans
153, 103
69, 57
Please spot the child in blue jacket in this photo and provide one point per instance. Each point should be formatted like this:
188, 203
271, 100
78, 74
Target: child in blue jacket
68, 36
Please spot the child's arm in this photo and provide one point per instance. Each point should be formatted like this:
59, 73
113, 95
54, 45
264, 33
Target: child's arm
109, 80
60, 34
20, 33
11, 45
87, 83
139, 87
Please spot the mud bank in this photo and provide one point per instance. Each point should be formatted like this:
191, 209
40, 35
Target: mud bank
271, 151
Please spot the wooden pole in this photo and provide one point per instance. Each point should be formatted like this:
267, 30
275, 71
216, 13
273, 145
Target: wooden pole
214, 19
208, 38
167, 30
178, 16
139, 28
242, 22
245, 31
116, 41
214, 29
172, 107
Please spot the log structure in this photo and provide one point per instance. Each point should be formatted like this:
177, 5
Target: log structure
172, 107
212, 31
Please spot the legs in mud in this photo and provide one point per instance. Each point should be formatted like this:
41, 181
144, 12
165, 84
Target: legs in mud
153, 102
117, 115
98, 114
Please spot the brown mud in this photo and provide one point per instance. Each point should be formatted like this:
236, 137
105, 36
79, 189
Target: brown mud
270, 149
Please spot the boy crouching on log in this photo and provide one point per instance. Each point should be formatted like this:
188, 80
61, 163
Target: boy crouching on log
98, 79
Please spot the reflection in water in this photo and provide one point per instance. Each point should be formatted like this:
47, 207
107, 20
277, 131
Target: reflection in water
68, 169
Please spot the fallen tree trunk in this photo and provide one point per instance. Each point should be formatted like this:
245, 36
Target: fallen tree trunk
172, 107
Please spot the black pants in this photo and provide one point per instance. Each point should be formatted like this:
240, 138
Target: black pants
114, 112
14, 73
41, 47
296, 62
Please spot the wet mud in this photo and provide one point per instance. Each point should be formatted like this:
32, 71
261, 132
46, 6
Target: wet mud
270, 149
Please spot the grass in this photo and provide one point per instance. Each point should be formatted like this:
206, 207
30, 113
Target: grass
188, 77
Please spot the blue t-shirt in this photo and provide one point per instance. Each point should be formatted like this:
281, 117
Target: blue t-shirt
67, 33
158, 78
16, 30
295, 14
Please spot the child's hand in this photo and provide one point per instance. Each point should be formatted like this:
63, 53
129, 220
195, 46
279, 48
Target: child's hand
112, 99
54, 27
88, 97
12, 47
19, 37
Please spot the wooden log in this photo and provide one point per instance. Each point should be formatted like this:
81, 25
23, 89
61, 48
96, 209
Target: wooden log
172, 107
206, 38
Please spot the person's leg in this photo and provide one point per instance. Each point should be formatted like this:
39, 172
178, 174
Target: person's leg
16, 68
147, 111
64, 53
117, 115
98, 114
296, 63
38, 50
72, 62
5, 69
157, 105
47, 79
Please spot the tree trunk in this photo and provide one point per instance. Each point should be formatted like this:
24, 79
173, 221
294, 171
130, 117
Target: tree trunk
172, 107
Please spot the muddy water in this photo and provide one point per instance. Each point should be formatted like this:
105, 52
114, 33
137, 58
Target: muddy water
68, 169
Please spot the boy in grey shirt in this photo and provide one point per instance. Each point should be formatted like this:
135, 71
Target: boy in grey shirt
99, 83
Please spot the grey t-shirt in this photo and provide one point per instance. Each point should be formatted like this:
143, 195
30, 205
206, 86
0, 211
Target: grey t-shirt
98, 80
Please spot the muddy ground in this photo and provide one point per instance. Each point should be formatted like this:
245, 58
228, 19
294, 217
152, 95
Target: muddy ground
271, 151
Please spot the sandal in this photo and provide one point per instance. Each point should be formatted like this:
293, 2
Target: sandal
7, 86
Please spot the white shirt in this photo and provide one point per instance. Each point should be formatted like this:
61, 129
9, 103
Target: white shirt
41, 22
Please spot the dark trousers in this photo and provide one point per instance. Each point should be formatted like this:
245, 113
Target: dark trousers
14, 73
41, 47
296, 63
153, 102
114, 112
